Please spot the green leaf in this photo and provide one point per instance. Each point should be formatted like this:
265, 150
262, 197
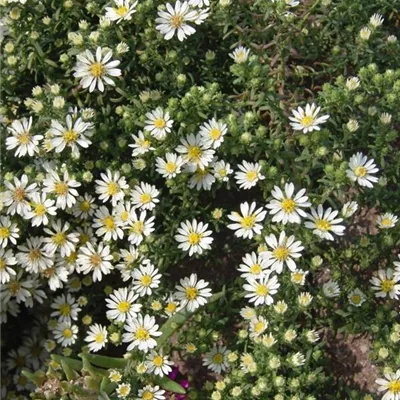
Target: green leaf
74, 364
39, 49
105, 362
178, 319
37, 378
169, 385
70, 373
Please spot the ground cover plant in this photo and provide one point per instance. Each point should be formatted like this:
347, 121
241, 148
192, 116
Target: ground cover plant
199, 199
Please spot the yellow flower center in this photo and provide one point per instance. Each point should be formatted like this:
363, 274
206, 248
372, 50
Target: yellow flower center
109, 223
19, 194
222, 172
194, 153
112, 188
360, 172
4, 232
84, 206
251, 176
99, 338
144, 143
61, 188
67, 333
191, 293
288, 205
215, 133
194, 238
147, 395
14, 287
49, 272
97, 69
256, 269
124, 216
297, 277
386, 222
145, 198
2, 264
59, 238
95, 260
146, 280
259, 326
240, 56
248, 222
281, 253
356, 299
121, 11
72, 257
171, 307
137, 227
158, 361
40, 210
115, 377
170, 167
176, 21
65, 309
262, 290
142, 334
159, 123
387, 285
307, 121
34, 255
70, 136
322, 225
394, 387
124, 306
24, 138
218, 358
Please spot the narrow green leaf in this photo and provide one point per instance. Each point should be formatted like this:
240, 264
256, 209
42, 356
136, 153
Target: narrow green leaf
104, 361
170, 385
37, 378
70, 373
74, 364
39, 49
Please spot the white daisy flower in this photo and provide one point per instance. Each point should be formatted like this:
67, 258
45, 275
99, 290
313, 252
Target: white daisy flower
33, 257
140, 332
201, 179
141, 145
18, 194
96, 337
258, 325
390, 385
41, 207
171, 166
352, 83
260, 291
216, 360
307, 119
145, 196
175, 20
17, 288
298, 276
158, 123
297, 359
356, 297
323, 223
6, 260
107, 225
192, 293
287, 207
123, 390
249, 175
387, 221
194, 236
127, 262
96, 71
375, 21
111, 186
240, 55
213, 132
122, 305
66, 308
365, 33
85, 206
63, 189
8, 232
56, 277
386, 284
150, 392
96, 260
122, 10
139, 227
253, 266
145, 279
172, 305
222, 170
122, 213
22, 138
66, 334
284, 250
248, 313
199, 3
247, 224
158, 364
361, 170
331, 289
74, 134
60, 240
349, 209
195, 152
